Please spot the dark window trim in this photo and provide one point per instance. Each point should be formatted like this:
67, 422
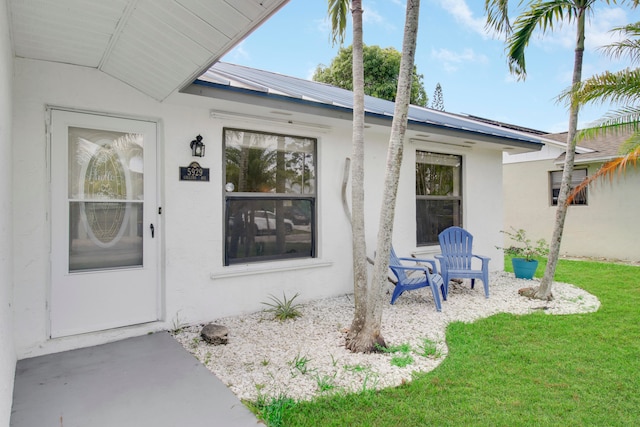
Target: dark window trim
576, 202
249, 196
459, 198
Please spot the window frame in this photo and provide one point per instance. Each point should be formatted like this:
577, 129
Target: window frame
580, 200
456, 219
268, 197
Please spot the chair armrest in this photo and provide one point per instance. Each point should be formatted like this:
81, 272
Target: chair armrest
485, 259
442, 261
406, 267
429, 261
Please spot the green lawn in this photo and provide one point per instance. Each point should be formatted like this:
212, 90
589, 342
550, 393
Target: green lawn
512, 370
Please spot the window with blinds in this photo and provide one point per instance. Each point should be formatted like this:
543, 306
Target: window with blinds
555, 179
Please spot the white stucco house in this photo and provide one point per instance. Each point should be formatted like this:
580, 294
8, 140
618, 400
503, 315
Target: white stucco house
110, 227
599, 223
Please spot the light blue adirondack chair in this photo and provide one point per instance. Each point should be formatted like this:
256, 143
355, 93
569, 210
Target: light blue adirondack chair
456, 259
415, 281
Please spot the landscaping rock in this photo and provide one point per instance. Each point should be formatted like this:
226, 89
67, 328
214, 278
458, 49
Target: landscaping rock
215, 334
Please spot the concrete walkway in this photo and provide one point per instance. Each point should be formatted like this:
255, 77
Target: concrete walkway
138, 382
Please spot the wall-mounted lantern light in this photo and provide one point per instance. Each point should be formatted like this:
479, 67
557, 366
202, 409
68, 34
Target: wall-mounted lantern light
197, 147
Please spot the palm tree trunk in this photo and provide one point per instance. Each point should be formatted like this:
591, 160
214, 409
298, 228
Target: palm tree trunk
360, 278
370, 336
544, 290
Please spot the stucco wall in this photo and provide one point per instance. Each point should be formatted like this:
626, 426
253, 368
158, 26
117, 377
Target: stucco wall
602, 229
196, 286
7, 352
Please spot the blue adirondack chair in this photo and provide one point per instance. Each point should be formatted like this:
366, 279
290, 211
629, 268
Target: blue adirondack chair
415, 281
456, 259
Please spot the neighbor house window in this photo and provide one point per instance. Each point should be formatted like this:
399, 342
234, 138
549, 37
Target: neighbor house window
438, 195
270, 196
577, 177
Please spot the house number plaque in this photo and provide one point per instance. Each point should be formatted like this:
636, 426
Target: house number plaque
194, 172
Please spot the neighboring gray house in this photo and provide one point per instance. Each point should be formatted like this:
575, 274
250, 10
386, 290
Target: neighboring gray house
111, 228
599, 223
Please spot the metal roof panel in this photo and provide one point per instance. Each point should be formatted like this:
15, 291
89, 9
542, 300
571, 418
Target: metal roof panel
241, 76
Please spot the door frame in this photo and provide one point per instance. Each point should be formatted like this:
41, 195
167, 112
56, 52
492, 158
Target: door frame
160, 302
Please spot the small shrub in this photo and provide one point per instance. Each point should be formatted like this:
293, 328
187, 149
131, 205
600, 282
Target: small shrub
283, 309
525, 247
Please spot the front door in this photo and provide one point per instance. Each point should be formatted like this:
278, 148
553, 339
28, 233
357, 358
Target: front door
104, 228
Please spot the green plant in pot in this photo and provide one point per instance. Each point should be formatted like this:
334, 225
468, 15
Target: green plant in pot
524, 253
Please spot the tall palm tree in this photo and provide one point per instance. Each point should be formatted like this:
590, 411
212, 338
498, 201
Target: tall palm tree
544, 15
622, 87
364, 334
394, 161
338, 14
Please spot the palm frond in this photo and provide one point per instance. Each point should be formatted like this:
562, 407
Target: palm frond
498, 16
620, 87
625, 118
624, 121
631, 144
338, 12
624, 48
542, 15
628, 47
608, 170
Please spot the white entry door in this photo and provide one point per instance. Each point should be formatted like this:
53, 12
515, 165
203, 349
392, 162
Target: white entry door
104, 223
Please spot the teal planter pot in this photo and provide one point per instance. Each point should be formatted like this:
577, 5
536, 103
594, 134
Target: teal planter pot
524, 269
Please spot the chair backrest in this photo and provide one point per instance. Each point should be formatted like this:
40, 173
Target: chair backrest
456, 245
394, 260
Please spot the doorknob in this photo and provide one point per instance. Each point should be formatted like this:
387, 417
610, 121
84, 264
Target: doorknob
152, 231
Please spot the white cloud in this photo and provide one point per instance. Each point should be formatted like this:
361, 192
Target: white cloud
452, 61
238, 53
463, 15
323, 26
597, 31
510, 78
371, 17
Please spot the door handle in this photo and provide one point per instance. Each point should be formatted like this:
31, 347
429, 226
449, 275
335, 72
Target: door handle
153, 230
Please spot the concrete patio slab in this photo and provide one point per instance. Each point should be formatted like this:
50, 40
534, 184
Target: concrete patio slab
143, 381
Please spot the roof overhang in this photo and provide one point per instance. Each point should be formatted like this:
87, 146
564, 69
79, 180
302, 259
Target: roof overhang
299, 105
587, 160
156, 46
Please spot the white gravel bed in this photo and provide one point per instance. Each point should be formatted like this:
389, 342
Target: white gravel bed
305, 357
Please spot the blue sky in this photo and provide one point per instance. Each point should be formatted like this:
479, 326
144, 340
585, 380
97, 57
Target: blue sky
454, 49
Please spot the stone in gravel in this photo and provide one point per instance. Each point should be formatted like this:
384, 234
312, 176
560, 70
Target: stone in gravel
215, 334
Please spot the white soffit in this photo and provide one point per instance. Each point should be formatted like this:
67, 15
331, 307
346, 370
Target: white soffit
156, 46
